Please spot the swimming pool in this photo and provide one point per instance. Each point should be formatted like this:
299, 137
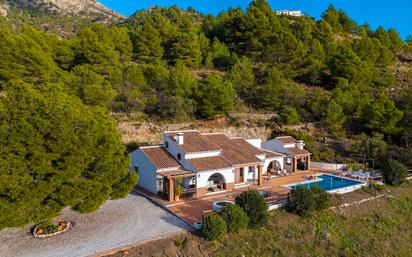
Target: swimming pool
333, 184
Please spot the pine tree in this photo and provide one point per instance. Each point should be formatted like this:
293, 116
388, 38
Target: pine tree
381, 115
185, 47
56, 152
218, 55
334, 117
243, 79
147, 44
215, 96
270, 94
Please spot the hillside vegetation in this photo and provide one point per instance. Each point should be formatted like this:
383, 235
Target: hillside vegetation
174, 65
61, 17
378, 229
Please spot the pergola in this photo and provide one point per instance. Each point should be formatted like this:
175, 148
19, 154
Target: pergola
171, 176
362, 159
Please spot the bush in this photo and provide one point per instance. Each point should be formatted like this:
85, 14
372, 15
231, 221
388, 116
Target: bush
290, 116
301, 201
321, 198
255, 207
214, 227
394, 173
47, 227
235, 218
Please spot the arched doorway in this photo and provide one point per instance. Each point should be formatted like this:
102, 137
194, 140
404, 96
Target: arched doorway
274, 168
216, 182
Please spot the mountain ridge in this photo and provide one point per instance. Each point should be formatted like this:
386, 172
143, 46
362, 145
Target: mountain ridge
71, 7
62, 17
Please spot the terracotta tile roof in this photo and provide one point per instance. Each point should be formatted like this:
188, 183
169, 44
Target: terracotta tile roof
271, 154
297, 151
210, 163
160, 158
247, 148
287, 140
234, 151
194, 142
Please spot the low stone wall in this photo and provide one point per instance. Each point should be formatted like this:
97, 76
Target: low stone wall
327, 166
361, 201
68, 225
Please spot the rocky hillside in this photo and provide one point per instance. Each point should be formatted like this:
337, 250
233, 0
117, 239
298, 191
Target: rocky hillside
63, 17
73, 7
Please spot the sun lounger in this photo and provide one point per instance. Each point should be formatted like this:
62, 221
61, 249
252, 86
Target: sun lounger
357, 174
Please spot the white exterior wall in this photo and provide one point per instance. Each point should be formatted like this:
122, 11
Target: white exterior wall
280, 159
289, 145
255, 142
290, 13
147, 171
174, 148
202, 154
288, 167
203, 177
328, 166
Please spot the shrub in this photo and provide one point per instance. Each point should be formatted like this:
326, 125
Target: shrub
255, 207
214, 227
178, 242
47, 227
235, 218
321, 198
290, 116
394, 173
301, 201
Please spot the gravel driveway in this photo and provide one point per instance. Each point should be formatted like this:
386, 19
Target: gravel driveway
116, 224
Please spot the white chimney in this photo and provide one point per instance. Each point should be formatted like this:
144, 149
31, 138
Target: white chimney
180, 138
301, 144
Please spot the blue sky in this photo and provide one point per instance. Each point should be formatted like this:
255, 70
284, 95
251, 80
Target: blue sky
390, 14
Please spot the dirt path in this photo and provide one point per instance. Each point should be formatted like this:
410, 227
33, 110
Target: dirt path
116, 224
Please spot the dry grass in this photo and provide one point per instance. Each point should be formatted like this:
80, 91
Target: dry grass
379, 228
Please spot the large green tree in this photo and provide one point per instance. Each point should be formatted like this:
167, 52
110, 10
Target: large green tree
243, 79
27, 56
56, 152
147, 44
381, 114
215, 96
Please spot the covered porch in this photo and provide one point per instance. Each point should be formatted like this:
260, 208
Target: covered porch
297, 163
249, 174
178, 184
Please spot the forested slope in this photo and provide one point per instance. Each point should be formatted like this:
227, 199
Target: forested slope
178, 65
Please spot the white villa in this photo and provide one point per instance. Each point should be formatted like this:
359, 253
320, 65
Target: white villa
296, 13
206, 163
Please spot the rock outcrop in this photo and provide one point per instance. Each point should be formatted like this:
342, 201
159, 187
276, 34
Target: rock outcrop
71, 7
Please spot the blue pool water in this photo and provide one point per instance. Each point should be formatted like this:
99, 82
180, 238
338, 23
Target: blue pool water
330, 183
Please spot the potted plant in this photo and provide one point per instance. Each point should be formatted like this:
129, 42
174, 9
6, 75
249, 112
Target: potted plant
178, 189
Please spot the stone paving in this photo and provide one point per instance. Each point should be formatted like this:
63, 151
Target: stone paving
192, 210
